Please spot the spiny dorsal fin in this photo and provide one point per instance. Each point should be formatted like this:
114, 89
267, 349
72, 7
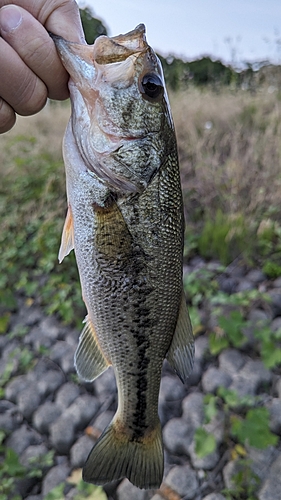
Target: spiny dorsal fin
181, 352
89, 360
67, 237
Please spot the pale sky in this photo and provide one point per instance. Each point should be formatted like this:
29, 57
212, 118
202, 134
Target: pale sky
231, 30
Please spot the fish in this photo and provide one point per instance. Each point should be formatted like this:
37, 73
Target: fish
125, 223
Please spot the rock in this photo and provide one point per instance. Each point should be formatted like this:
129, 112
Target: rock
62, 353
261, 460
250, 378
258, 317
206, 463
54, 477
227, 284
276, 324
217, 427
80, 451
277, 283
214, 378
105, 383
170, 398
82, 411
275, 302
102, 421
22, 438
278, 387
193, 409
45, 415
214, 496
177, 436
127, 491
66, 394
183, 480
231, 361
272, 485
14, 388
256, 276
274, 408
28, 400
196, 374
231, 468
201, 347
10, 417
244, 285
62, 434
50, 382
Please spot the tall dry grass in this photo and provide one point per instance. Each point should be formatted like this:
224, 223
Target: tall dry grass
230, 153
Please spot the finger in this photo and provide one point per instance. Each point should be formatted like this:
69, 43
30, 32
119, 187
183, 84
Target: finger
7, 117
32, 43
19, 86
61, 17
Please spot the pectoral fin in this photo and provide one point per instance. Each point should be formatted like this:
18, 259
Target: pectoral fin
67, 238
89, 360
181, 352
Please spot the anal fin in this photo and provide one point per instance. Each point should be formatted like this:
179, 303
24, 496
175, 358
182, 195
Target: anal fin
89, 360
67, 237
181, 352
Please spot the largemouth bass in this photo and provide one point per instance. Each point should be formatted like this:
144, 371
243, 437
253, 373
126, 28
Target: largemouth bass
125, 223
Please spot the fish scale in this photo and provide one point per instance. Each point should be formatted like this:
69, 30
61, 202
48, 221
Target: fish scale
125, 223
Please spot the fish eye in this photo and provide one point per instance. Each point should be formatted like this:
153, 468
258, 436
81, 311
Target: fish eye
152, 86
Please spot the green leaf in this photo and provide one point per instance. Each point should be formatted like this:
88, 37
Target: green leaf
217, 344
254, 429
210, 407
56, 493
205, 442
232, 327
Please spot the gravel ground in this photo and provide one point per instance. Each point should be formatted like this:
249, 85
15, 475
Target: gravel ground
47, 408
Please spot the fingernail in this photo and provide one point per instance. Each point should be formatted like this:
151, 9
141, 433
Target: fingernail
10, 18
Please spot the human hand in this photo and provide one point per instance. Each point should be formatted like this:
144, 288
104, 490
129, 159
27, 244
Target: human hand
30, 68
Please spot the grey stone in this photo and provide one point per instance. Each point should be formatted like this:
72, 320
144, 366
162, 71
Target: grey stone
50, 382
256, 276
22, 438
10, 416
106, 383
231, 468
183, 480
275, 296
277, 283
45, 415
127, 491
214, 378
244, 285
66, 394
201, 347
258, 317
193, 409
250, 378
54, 477
276, 324
62, 353
177, 436
62, 434
217, 426
31, 453
261, 460
103, 420
32, 315
80, 451
231, 361
272, 485
34, 497
82, 410
206, 463
29, 400
275, 415
214, 496
278, 387
14, 388
170, 398
171, 389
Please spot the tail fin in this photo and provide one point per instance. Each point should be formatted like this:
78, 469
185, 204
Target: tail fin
115, 456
